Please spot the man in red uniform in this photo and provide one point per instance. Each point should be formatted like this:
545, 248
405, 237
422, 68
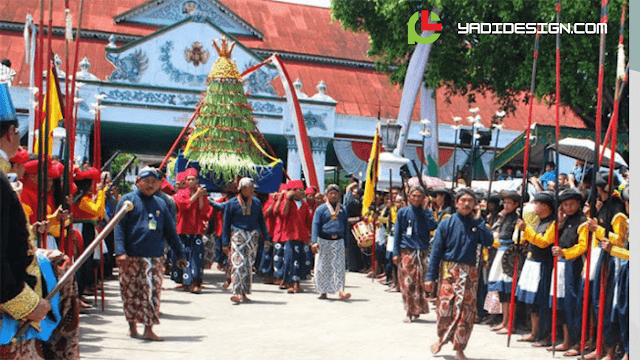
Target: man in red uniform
295, 220
193, 211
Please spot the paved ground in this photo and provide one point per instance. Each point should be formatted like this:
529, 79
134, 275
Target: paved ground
277, 325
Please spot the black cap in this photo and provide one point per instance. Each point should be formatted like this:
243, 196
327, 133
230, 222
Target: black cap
443, 191
546, 197
570, 194
510, 194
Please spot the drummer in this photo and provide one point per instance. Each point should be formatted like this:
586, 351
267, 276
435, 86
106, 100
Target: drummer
411, 242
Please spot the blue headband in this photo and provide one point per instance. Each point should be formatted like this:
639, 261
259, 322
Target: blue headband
146, 173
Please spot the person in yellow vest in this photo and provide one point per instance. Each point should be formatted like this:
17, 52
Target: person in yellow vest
87, 210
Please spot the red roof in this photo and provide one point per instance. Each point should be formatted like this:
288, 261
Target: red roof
12, 48
97, 15
287, 28
298, 29
542, 113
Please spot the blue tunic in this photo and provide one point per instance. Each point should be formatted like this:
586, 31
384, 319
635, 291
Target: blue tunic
134, 236
233, 218
421, 223
457, 240
323, 226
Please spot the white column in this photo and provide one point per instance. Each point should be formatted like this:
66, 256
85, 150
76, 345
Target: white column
83, 140
319, 150
294, 167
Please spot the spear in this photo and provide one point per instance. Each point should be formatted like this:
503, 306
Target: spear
68, 276
614, 140
184, 130
554, 313
73, 79
527, 147
596, 167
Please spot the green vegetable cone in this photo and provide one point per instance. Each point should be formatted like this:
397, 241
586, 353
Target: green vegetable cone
221, 139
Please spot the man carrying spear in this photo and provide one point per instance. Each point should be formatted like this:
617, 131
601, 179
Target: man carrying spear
21, 289
139, 240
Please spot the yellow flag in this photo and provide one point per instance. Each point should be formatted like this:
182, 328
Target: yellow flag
55, 114
373, 168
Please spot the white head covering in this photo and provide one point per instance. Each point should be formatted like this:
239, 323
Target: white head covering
246, 182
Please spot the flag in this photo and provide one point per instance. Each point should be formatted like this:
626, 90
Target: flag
55, 114
373, 169
299, 126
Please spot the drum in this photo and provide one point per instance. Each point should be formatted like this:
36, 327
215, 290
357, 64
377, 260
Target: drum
364, 234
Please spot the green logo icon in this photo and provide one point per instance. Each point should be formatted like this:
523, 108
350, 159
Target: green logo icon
414, 37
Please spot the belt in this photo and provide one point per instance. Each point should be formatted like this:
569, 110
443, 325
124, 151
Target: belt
330, 237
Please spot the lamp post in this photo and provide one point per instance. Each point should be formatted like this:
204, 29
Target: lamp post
475, 123
426, 133
456, 127
496, 124
390, 163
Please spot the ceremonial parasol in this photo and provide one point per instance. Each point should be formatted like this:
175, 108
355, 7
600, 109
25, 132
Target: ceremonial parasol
429, 181
582, 149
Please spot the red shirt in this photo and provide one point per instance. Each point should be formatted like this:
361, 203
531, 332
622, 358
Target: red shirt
270, 220
190, 218
219, 215
295, 225
29, 197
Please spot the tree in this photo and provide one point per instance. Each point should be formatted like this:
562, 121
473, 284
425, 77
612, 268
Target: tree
472, 64
221, 139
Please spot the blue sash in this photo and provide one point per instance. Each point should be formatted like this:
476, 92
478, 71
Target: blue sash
10, 325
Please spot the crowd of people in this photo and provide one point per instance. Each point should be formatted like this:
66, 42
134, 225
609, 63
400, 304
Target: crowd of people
452, 249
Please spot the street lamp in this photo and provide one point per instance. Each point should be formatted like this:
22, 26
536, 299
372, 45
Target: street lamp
389, 133
497, 124
425, 133
390, 164
456, 127
476, 122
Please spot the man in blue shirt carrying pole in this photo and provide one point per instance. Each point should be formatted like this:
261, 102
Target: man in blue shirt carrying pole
139, 240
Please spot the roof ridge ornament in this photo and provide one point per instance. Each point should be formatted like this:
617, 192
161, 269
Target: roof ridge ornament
321, 96
224, 50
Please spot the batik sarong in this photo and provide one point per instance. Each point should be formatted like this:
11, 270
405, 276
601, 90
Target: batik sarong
412, 267
295, 268
209, 251
278, 260
140, 285
329, 266
64, 341
243, 252
266, 261
194, 249
456, 310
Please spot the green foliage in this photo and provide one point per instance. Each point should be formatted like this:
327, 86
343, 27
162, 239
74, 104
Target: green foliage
118, 163
221, 139
473, 64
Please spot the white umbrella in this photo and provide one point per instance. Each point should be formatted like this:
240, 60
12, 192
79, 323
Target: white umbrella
582, 149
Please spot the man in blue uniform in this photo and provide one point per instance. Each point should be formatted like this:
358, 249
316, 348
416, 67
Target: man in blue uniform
328, 233
455, 246
139, 241
243, 226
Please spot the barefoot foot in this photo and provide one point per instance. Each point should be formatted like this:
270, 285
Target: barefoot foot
435, 348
